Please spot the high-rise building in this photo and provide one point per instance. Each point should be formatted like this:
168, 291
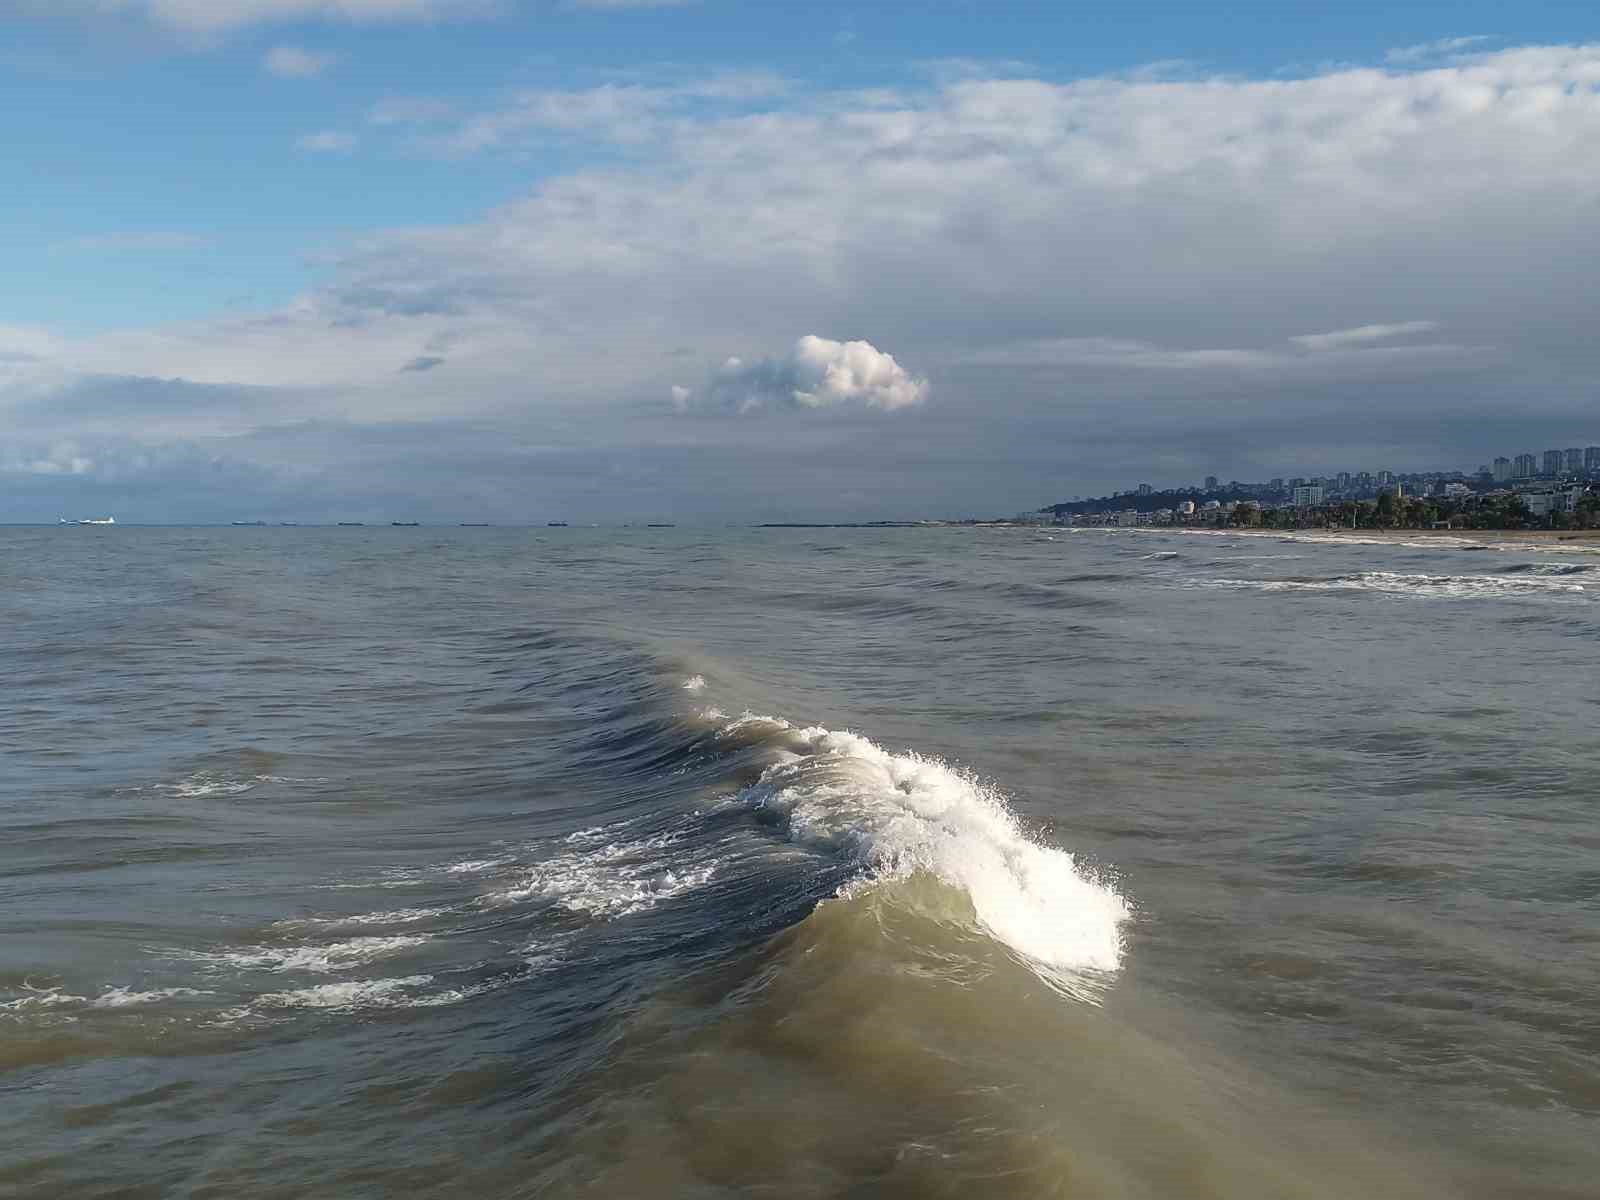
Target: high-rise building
1502, 469
1211, 483
1552, 463
1526, 466
1342, 481
1385, 478
1307, 494
1591, 458
1277, 484
1145, 489
1574, 460
1364, 480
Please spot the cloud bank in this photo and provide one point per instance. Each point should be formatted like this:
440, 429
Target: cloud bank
1113, 278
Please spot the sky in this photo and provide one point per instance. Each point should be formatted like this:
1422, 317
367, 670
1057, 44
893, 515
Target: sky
712, 261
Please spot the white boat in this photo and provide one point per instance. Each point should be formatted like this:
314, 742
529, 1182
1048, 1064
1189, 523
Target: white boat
94, 521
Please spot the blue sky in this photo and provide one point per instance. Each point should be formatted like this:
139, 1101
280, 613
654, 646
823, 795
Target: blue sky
187, 179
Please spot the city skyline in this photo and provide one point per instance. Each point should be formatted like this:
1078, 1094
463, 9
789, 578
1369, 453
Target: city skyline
1555, 463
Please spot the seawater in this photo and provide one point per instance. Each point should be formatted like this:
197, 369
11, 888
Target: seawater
815, 863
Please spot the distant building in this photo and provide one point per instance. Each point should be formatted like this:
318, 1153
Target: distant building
1277, 484
1186, 508
1502, 470
1456, 489
1561, 500
1145, 489
1364, 480
1525, 467
1211, 483
1307, 494
1552, 463
1591, 459
1385, 478
1573, 464
1342, 481
1128, 517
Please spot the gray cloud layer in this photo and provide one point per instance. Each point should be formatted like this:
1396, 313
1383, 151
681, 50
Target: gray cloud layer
1102, 281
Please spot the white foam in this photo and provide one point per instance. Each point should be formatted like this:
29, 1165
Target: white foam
694, 683
209, 783
117, 997
478, 866
338, 956
35, 998
1448, 587
369, 993
899, 814
204, 784
397, 916
127, 998
616, 879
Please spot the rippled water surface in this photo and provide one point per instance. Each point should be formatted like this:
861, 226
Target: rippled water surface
814, 863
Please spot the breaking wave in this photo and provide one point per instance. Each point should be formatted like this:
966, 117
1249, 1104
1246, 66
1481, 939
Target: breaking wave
896, 816
1441, 587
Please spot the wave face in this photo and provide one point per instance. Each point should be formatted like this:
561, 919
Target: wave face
1133, 864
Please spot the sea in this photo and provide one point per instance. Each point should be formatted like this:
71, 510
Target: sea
844, 863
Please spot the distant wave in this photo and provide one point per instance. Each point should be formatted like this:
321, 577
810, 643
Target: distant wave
1445, 587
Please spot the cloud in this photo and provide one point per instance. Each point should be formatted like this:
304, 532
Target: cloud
817, 373
294, 62
621, 4
212, 17
24, 344
409, 110
1428, 51
424, 362
625, 113
327, 141
1362, 335
1314, 352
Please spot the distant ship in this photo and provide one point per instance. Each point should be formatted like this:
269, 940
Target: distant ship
406, 524
252, 524
351, 524
556, 524
90, 521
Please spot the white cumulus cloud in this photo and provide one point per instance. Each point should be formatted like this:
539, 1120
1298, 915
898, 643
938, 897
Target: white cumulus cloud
817, 373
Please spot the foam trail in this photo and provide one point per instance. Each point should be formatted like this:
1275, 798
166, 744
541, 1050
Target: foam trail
338, 956
614, 879
899, 814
